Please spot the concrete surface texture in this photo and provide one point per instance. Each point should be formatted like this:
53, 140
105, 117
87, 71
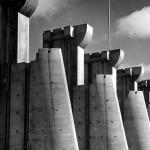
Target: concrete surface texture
17, 107
81, 115
23, 39
51, 119
127, 80
136, 121
114, 133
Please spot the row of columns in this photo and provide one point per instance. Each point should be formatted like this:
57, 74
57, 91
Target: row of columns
35, 106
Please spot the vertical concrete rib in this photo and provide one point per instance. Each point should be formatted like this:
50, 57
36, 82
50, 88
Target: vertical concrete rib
17, 107
51, 121
97, 120
115, 135
80, 115
23, 39
40, 132
137, 125
64, 134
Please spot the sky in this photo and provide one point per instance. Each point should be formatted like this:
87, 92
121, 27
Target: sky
130, 26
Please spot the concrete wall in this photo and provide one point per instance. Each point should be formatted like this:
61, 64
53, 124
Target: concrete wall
136, 121
40, 109
81, 115
9, 41
17, 106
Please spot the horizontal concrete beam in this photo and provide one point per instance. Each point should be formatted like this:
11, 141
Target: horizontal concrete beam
136, 73
115, 57
80, 34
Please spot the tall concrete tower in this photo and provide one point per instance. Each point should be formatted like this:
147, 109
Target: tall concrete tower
73, 41
14, 47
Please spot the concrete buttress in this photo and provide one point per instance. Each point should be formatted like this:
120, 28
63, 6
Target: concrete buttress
137, 125
106, 126
136, 120
96, 108
111, 121
51, 119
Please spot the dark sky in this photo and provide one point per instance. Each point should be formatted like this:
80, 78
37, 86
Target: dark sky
133, 40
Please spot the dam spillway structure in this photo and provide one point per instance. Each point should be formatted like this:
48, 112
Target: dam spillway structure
66, 99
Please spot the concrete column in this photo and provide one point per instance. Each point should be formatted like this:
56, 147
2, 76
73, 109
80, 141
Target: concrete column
23, 39
114, 133
17, 107
72, 40
9, 10
136, 122
63, 124
87, 69
127, 81
40, 131
106, 126
51, 120
80, 66
81, 115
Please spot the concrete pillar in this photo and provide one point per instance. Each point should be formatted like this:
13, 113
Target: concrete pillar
136, 121
127, 81
106, 126
9, 10
87, 69
40, 132
51, 120
17, 107
72, 40
123, 81
81, 115
23, 39
112, 130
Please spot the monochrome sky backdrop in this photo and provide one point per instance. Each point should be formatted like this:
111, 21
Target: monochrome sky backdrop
130, 25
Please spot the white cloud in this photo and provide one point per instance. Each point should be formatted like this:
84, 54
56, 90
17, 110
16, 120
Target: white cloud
47, 8
135, 25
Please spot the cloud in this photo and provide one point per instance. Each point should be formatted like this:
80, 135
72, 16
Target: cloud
135, 25
47, 8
